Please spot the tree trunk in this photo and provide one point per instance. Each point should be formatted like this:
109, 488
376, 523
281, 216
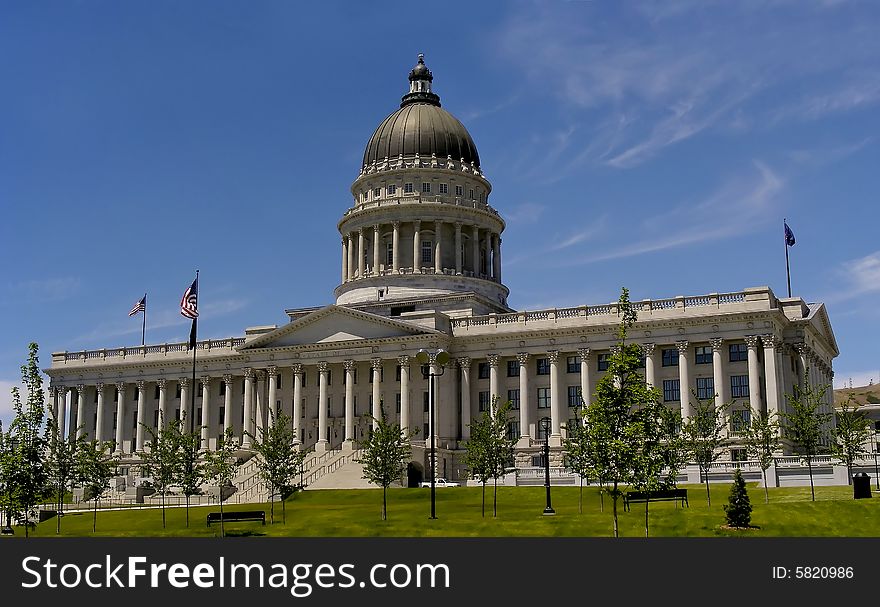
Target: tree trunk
708, 496
495, 498
58, 513
601, 499
283, 511
187, 509
581, 497
163, 509
384, 504
272, 507
484, 499
614, 510
222, 528
646, 518
849, 473
95, 516
810, 467
766, 492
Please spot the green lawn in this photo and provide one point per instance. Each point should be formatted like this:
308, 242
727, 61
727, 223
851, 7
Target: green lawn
350, 513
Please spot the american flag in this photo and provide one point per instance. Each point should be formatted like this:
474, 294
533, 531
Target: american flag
189, 301
140, 306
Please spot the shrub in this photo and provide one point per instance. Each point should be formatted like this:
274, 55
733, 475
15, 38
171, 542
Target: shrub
738, 507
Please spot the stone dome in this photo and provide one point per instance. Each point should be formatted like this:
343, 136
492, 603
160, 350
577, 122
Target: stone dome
421, 127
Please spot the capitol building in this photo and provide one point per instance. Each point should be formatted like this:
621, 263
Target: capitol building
421, 268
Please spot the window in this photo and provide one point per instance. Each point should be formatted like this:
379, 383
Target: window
115, 418
426, 402
444, 188
392, 190
198, 417
397, 402
303, 409
483, 401
574, 396
377, 192
705, 388
426, 188
397, 373
156, 418
222, 388
602, 361
513, 368
199, 389
278, 381
513, 430
427, 251
670, 357
389, 254
177, 391
738, 352
472, 194
740, 420
543, 365
738, 455
482, 370
407, 188
704, 355
542, 435
671, 390
573, 364
366, 196
513, 397
739, 386
155, 393
543, 398
459, 191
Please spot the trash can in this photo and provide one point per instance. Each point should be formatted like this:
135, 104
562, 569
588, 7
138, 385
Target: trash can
861, 485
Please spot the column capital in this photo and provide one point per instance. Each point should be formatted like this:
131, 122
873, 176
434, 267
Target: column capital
770, 340
493, 359
464, 362
260, 375
348, 365
802, 348
553, 355
752, 341
248, 373
375, 227
584, 353
141, 384
361, 231
183, 381
376, 364
322, 366
272, 370
716, 343
344, 238
417, 223
395, 224
458, 225
100, 387
80, 388
348, 237
206, 381
682, 346
403, 360
162, 382
227, 379
648, 349
523, 358
120, 385
297, 368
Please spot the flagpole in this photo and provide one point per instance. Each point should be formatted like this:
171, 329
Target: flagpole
787, 271
195, 331
144, 328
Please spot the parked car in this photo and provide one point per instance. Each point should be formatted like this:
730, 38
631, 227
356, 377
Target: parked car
440, 482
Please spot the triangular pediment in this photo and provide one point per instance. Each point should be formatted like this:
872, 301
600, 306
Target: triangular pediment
333, 324
820, 321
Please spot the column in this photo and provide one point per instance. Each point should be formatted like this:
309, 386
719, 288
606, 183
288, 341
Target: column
99, 418
496, 256
719, 377
227, 404
350, 250
556, 404
771, 372
802, 358
73, 420
457, 248
297, 400
361, 264
780, 383
493, 380
141, 415
404, 392
524, 390
417, 244
438, 232
120, 415
754, 379
61, 408
207, 421
586, 378
273, 394
376, 258
260, 404
248, 430
488, 253
476, 250
434, 368
185, 413
464, 364
376, 370
80, 411
344, 260
684, 379
395, 247
163, 403
348, 365
321, 445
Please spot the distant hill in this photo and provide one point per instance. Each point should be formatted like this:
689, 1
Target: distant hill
864, 395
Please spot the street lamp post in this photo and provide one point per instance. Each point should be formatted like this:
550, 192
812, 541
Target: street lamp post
427, 360
545, 426
876, 476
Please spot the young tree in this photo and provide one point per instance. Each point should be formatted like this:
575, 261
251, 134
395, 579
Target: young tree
95, 466
279, 460
500, 446
852, 431
61, 453
221, 466
191, 462
384, 455
577, 450
703, 437
478, 457
738, 507
805, 424
30, 477
761, 442
8, 466
161, 460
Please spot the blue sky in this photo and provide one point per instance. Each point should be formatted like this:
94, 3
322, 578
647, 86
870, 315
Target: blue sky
652, 145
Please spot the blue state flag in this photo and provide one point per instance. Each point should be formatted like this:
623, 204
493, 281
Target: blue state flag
789, 235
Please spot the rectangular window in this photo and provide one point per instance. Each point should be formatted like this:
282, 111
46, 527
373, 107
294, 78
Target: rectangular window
483, 401
389, 254
574, 396
472, 194
705, 388
542, 435
738, 352
573, 364
671, 390
397, 402
543, 398
513, 397
740, 420
397, 373
392, 190
198, 416
543, 366
739, 386
407, 188
738, 455
670, 357
602, 361
459, 191
426, 187
513, 430
427, 251
303, 409
221, 416
177, 391
444, 188
222, 388
513, 368
377, 192
155, 393
199, 389
156, 418
482, 370
704, 355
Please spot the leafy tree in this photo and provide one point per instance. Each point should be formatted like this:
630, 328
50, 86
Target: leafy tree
477, 457
738, 507
852, 431
191, 462
279, 460
95, 466
805, 424
30, 476
489, 449
60, 461
578, 454
221, 466
384, 455
761, 441
8, 466
703, 437
162, 461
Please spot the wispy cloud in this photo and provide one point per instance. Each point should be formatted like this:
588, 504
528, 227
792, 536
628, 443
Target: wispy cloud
855, 92
582, 235
527, 212
857, 277
827, 155
45, 290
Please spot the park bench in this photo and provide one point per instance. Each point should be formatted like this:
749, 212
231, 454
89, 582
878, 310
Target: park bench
246, 515
664, 495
